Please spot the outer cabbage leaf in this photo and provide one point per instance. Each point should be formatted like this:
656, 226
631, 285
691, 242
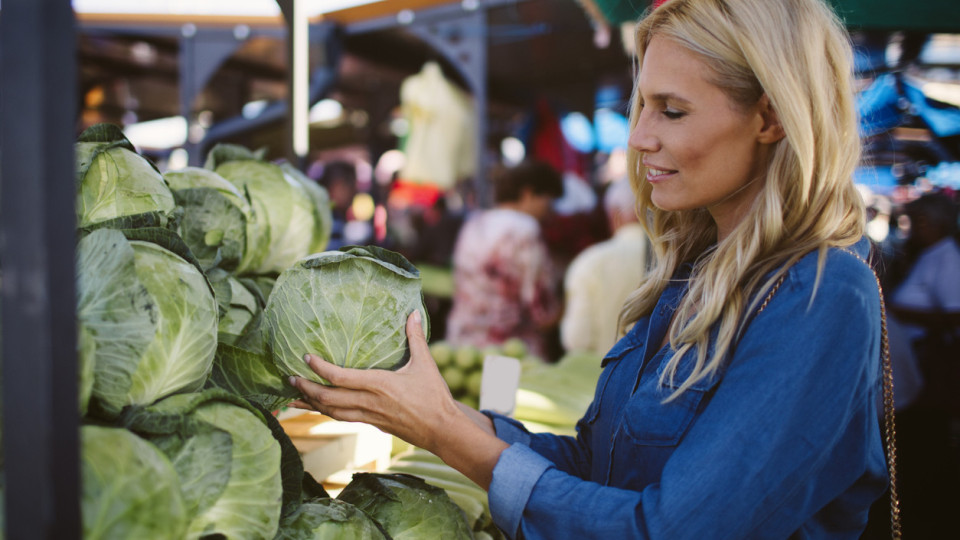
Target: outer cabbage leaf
86, 353
350, 307
227, 459
116, 312
243, 308
129, 488
114, 181
154, 322
322, 210
407, 507
330, 518
285, 204
219, 223
251, 375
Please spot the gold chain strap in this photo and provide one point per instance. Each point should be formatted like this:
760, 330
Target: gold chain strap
890, 429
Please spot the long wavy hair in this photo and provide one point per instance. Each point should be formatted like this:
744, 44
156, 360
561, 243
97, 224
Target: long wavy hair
798, 54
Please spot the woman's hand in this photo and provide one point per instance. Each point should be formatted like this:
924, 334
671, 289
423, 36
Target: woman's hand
412, 403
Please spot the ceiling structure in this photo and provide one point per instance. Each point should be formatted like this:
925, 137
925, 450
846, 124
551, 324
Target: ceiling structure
535, 49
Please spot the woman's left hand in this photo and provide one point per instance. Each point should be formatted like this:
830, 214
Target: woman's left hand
412, 403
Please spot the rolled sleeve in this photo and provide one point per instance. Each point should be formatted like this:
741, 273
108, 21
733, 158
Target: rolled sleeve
516, 473
509, 430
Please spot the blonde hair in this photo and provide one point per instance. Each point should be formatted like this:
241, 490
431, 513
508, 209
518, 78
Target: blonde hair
797, 53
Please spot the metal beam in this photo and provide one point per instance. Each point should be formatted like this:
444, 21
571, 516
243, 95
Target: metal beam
463, 41
37, 235
202, 52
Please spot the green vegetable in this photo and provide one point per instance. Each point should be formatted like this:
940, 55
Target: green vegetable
332, 519
473, 383
298, 217
115, 183
454, 378
252, 375
218, 223
129, 488
467, 357
350, 307
227, 459
407, 507
442, 353
515, 348
150, 313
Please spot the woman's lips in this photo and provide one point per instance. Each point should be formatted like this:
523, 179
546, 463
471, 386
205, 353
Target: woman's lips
658, 175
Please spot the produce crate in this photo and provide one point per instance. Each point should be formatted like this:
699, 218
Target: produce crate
332, 450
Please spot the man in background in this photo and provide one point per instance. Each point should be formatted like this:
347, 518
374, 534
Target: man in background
601, 277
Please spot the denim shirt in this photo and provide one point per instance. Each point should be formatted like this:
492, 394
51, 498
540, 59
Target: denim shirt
784, 442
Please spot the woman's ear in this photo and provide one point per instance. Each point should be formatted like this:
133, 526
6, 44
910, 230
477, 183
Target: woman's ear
770, 130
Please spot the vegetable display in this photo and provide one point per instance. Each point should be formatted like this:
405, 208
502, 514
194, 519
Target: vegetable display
198, 291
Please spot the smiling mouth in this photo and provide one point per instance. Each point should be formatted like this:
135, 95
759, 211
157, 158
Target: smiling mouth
656, 174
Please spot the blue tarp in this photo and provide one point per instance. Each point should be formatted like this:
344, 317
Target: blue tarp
879, 107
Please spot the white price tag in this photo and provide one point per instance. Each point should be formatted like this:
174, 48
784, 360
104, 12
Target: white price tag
498, 387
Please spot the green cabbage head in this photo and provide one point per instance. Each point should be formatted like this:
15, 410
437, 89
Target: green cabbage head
129, 488
349, 307
294, 208
115, 183
226, 458
218, 221
407, 507
329, 518
151, 315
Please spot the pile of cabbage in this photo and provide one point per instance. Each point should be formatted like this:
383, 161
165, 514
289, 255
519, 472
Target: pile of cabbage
198, 292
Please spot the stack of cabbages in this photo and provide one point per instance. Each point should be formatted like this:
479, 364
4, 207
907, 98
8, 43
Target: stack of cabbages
199, 291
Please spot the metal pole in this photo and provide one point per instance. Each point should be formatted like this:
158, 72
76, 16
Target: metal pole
37, 236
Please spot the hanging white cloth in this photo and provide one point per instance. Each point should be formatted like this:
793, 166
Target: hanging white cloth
440, 145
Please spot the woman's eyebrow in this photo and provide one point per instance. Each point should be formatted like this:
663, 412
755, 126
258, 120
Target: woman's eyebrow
662, 97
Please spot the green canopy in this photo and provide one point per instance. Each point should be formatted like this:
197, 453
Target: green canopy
917, 15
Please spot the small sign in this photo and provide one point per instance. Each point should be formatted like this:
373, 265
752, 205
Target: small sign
498, 387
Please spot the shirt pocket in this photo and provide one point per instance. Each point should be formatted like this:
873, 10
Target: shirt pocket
650, 421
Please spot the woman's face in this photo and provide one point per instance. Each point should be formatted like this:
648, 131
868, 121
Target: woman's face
699, 148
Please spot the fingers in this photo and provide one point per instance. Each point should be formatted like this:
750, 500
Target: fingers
415, 337
336, 375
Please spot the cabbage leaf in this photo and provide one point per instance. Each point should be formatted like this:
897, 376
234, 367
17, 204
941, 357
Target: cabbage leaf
129, 488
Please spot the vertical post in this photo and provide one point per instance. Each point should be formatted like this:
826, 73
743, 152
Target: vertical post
298, 79
37, 237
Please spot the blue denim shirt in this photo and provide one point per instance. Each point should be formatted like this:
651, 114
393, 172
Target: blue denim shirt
783, 442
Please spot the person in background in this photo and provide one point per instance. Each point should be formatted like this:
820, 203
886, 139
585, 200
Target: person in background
926, 306
743, 401
601, 277
504, 283
340, 179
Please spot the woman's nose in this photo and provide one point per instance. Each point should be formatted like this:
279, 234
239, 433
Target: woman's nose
642, 138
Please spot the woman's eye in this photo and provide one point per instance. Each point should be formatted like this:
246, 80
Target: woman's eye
673, 114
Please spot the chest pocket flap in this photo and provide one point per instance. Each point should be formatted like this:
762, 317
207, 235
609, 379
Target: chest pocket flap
651, 420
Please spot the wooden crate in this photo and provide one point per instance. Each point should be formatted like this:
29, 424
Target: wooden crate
332, 450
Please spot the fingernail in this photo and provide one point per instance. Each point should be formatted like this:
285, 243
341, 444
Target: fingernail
292, 380
306, 358
416, 316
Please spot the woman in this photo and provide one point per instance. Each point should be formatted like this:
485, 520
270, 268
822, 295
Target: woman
742, 402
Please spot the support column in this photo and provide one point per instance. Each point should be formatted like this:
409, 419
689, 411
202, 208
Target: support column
37, 234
